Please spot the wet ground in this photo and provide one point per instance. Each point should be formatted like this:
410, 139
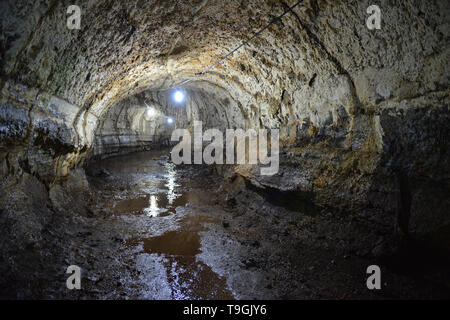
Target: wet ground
164, 232
156, 215
152, 230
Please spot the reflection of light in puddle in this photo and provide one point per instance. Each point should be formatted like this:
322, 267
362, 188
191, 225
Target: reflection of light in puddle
171, 196
188, 277
153, 210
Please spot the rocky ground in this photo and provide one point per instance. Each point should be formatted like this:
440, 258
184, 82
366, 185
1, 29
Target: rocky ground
149, 230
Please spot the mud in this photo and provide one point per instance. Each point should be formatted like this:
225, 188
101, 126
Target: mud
150, 230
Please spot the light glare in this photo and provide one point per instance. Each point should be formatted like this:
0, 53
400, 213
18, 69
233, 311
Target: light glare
150, 113
178, 96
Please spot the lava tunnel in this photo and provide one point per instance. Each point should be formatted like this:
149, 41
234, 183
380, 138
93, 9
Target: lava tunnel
239, 149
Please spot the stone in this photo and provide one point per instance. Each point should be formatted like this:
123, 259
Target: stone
353, 105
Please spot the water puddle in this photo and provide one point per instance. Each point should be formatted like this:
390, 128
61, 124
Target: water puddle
182, 242
161, 204
192, 279
188, 277
160, 184
157, 205
132, 206
148, 185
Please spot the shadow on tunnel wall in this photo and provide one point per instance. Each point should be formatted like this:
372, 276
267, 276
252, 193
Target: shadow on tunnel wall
411, 187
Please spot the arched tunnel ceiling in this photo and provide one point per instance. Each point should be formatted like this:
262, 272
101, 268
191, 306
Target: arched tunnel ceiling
125, 47
320, 75
130, 47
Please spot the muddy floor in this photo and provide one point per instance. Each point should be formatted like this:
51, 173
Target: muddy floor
153, 230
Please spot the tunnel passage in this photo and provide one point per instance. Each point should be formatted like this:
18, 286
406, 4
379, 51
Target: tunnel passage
146, 120
354, 106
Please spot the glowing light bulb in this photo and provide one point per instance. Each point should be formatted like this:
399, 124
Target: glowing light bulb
150, 112
169, 120
178, 96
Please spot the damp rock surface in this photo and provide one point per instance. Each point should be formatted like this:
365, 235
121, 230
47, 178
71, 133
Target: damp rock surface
170, 242
363, 119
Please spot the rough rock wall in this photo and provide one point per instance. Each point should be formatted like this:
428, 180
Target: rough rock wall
363, 114
36, 133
